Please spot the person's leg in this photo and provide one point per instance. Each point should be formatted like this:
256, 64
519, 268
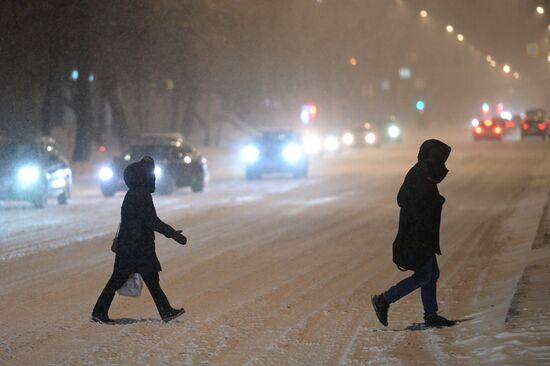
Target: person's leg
151, 279
429, 292
409, 284
106, 298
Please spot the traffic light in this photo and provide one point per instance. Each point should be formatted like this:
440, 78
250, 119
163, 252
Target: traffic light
420, 105
308, 113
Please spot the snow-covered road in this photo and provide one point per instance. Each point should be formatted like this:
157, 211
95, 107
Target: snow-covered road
280, 271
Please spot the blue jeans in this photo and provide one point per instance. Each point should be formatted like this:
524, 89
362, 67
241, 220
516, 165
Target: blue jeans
425, 278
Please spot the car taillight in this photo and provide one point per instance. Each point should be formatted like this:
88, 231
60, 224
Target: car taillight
488, 122
478, 130
541, 126
497, 130
510, 124
525, 125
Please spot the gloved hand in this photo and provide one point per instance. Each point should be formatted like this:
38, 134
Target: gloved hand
179, 237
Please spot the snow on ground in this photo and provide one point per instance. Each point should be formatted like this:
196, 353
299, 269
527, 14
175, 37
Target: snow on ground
280, 272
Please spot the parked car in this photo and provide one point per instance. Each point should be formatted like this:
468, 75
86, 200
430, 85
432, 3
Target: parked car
177, 164
33, 171
278, 151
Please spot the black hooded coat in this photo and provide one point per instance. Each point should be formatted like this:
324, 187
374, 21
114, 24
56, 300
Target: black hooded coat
421, 205
135, 251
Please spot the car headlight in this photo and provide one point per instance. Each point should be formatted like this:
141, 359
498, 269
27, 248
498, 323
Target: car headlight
187, 159
28, 174
348, 138
292, 153
312, 144
106, 173
332, 143
370, 138
394, 131
250, 153
158, 171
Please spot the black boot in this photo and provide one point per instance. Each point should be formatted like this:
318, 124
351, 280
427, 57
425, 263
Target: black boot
381, 307
172, 314
102, 319
437, 321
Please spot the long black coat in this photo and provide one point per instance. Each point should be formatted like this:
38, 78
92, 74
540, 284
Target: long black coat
136, 241
421, 206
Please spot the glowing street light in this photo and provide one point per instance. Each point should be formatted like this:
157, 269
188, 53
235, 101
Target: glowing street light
353, 61
423, 13
485, 107
489, 58
450, 28
540, 10
506, 68
516, 75
460, 37
493, 63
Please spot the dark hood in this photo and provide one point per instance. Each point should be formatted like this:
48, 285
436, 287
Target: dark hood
141, 175
434, 150
433, 154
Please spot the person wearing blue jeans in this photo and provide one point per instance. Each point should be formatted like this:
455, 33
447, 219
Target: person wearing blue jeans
417, 242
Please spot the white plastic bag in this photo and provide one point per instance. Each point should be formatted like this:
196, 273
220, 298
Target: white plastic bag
132, 287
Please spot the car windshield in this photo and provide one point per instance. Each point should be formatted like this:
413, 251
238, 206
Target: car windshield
279, 137
155, 151
15, 151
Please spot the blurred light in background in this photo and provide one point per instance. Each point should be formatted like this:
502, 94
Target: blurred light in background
540, 10
449, 28
516, 75
423, 13
475, 122
348, 138
292, 153
370, 138
312, 144
485, 107
102, 148
420, 105
506, 115
353, 61
506, 68
332, 143
460, 37
250, 153
493, 63
74, 75
393, 131
489, 58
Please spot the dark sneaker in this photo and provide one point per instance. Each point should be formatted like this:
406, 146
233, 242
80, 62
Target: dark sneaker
381, 307
102, 319
173, 314
437, 321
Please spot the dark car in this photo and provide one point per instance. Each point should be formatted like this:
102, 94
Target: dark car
177, 164
488, 129
535, 123
363, 135
33, 171
275, 152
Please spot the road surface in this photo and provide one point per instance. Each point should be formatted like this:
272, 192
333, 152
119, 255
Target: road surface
280, 271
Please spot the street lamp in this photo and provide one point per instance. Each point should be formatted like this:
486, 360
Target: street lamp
423, 13
506, 68
449, 28
540, 10
460, 37
353, 61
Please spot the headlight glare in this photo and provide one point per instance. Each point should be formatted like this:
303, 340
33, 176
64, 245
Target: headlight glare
250, 153
312, 144
348, 138
370, 138
394, 131
158, 171
105, 173
292, 153
28, 174
331, 143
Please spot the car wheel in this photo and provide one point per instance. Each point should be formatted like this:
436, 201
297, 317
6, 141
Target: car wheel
197, 183
107, 192
40, 199
63, 198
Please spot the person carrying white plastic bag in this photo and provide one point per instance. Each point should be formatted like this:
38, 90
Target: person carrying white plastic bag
135, 243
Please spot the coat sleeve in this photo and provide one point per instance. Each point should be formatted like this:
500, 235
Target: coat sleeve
150, 219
